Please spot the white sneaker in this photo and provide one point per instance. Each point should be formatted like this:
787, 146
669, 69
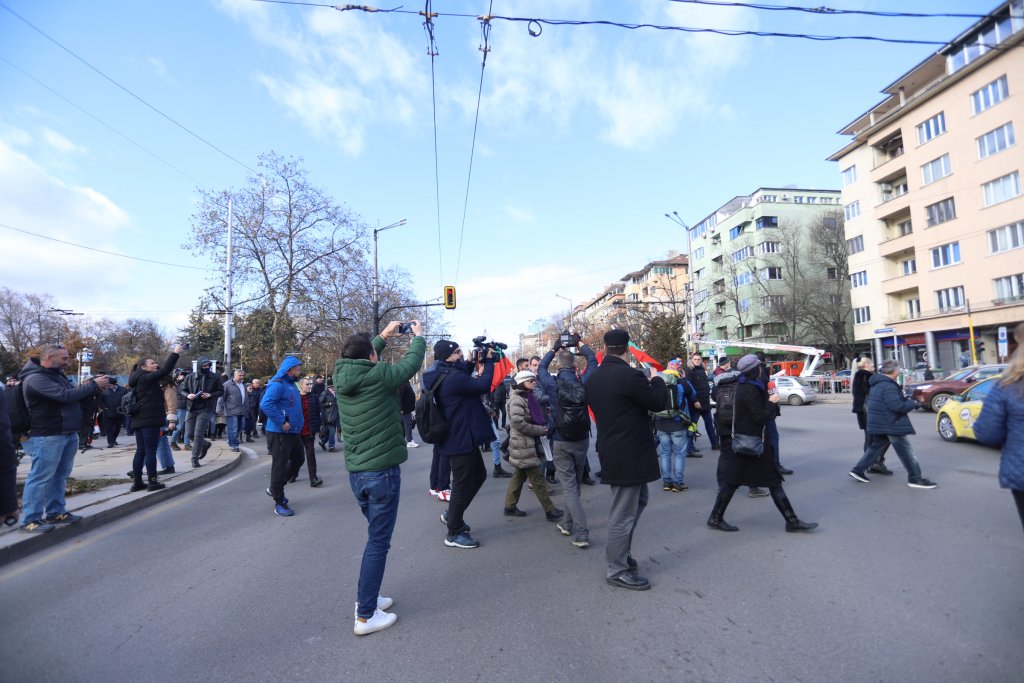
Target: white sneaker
378, 622
383, 604
412, 444
444, 495
433, 493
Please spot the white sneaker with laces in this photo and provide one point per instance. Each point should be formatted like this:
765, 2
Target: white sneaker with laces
445, 495
412, 444
378, 622
383, 604
434, 493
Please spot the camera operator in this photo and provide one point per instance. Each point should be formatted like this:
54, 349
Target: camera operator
458, 395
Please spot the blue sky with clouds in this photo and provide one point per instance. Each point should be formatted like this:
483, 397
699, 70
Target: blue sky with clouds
587, 135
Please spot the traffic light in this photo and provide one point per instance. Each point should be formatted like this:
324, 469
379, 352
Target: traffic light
449, 297
979, 348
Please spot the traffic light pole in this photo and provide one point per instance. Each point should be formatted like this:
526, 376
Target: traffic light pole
970, 328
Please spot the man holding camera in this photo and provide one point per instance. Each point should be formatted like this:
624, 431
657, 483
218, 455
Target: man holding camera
375, 447
469, 427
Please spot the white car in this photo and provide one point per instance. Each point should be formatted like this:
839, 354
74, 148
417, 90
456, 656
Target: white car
794, 390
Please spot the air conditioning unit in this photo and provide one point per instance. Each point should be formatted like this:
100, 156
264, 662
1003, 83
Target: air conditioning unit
886, 187
785, 197
783, 340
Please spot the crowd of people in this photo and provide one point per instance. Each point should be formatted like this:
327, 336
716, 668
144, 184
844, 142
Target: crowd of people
645, 426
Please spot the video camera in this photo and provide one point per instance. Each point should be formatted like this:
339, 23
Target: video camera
568, 339
481, 346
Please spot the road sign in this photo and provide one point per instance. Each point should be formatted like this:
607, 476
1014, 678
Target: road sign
1003, 348
885, 330
1002, 334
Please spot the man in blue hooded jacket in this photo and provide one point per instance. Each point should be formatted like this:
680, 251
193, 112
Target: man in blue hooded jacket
282, 405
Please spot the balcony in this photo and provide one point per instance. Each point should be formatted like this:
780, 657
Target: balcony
896, 245
900, 283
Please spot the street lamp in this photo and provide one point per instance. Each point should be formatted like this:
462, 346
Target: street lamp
570, 307
376, 293
675, 218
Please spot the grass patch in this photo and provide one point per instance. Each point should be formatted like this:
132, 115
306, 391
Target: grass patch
76, 486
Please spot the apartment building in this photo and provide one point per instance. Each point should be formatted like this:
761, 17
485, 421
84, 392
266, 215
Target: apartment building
736, 271
660, 285
931, 194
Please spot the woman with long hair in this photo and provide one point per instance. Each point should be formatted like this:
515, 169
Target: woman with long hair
147, 422
859, 390
752, 408
1001, 423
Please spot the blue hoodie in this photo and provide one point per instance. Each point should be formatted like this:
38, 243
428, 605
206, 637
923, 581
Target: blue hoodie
281, 401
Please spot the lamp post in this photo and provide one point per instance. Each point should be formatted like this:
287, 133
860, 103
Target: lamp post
674, 217
570, 307
376, 292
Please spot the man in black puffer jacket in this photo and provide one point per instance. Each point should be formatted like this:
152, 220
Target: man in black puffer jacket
888, 423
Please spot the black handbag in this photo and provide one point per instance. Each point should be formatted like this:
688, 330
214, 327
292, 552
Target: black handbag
745, 444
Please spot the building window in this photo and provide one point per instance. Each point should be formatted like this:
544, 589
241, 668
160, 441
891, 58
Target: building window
700, 296
798, 199
996, 141
1010, 287
698, 253
950, 299
913, 308
768, 198
909, 266
989, 96
905, 228
812, 200
855, 245
861, 315
1002, 189
736, 232
829, 221
741, 279
935, 169
940, 212
772, 301
832, 273
1006, 238
932, 128
859, 279
766, 222
851, 210
744, 304
946, 255
744, 253
768, 248
771, 273
698, 274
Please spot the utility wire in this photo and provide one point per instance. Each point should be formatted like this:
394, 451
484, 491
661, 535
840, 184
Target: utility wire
829, 11
485, 32
103, 123
101, 251
83, 61
428, 26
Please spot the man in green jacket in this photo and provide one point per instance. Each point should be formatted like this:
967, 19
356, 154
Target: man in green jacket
375, 446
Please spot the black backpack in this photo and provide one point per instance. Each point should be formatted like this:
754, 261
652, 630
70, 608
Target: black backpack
725, 400
17, 408
572, 421
130, 404
430, 420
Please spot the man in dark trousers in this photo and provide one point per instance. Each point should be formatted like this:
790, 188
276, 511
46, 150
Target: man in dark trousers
110, 419
622, 399
698, 377
202, 388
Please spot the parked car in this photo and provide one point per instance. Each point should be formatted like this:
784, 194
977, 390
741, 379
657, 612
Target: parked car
794, 390
936, 392
956, 417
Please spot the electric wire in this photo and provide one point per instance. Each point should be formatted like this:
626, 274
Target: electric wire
428, 26
125, 89
829, 11
103, 251
103, 123
485, 31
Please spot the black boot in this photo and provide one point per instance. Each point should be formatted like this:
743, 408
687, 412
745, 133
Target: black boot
715, 521
137, 484
499, 473
195, 462
793, 523
155, 485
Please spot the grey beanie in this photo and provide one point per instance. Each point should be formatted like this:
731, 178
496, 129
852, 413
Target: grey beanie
748, 361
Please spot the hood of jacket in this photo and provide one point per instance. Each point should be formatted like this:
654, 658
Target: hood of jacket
287, 364
727, 377
351, 375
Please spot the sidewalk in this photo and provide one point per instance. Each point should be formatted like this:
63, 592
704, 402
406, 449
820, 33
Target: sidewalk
113, 502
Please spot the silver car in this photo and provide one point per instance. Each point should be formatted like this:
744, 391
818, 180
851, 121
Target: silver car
794, 390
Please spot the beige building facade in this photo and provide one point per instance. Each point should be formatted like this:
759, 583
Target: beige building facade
933, 203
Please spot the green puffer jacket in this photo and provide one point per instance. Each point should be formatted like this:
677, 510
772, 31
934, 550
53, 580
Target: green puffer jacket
368, 405
522, 445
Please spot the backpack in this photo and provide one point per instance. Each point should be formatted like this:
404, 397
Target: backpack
572, 420
17, 408
131, 404
671, 410
430, 420
725, 400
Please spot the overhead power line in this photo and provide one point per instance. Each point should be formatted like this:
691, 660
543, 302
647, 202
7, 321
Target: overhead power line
428, 27
829, 11
101, 251
111, 80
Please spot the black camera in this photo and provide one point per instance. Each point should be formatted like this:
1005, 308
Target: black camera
568, 339
405, 328
481, 346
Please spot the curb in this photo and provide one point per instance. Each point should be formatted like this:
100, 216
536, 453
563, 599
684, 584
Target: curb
34, 543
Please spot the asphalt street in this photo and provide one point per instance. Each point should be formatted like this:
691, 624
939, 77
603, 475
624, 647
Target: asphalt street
897, 584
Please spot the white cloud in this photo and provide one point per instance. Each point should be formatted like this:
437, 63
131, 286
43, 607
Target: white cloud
60, 143
519, 214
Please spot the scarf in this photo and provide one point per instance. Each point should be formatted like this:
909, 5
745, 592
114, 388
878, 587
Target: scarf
536, 414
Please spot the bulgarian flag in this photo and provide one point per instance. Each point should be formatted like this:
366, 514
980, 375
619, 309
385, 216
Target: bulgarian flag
642, 357
502, 366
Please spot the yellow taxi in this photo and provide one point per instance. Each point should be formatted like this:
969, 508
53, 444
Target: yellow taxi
956, 417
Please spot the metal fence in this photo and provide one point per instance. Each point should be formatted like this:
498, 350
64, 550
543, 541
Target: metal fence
829, 385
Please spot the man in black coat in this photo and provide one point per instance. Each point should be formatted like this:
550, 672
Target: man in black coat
202, 388
698, 377
110, 419
622, 400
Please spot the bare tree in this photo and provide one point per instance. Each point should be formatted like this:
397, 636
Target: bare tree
829, 314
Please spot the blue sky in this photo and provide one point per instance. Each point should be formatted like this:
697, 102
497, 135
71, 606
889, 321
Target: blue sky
587, 135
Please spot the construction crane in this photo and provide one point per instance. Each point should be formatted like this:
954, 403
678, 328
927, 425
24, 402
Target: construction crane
805, 368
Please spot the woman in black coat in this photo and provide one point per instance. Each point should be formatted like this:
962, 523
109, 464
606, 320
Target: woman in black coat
144, 381
859, 390
752, 408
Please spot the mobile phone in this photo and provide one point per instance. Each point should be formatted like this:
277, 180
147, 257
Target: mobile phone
405, 328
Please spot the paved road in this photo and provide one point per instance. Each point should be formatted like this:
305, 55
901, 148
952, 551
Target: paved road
896, 585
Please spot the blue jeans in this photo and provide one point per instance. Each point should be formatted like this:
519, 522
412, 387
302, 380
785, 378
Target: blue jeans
495, 448
180, 429
377, 493
904, 451
234, 425
163, 453
674, 447
331, 432
145, 450
709, 426
52, 460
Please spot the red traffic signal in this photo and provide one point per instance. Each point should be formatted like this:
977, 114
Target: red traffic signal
449, 297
